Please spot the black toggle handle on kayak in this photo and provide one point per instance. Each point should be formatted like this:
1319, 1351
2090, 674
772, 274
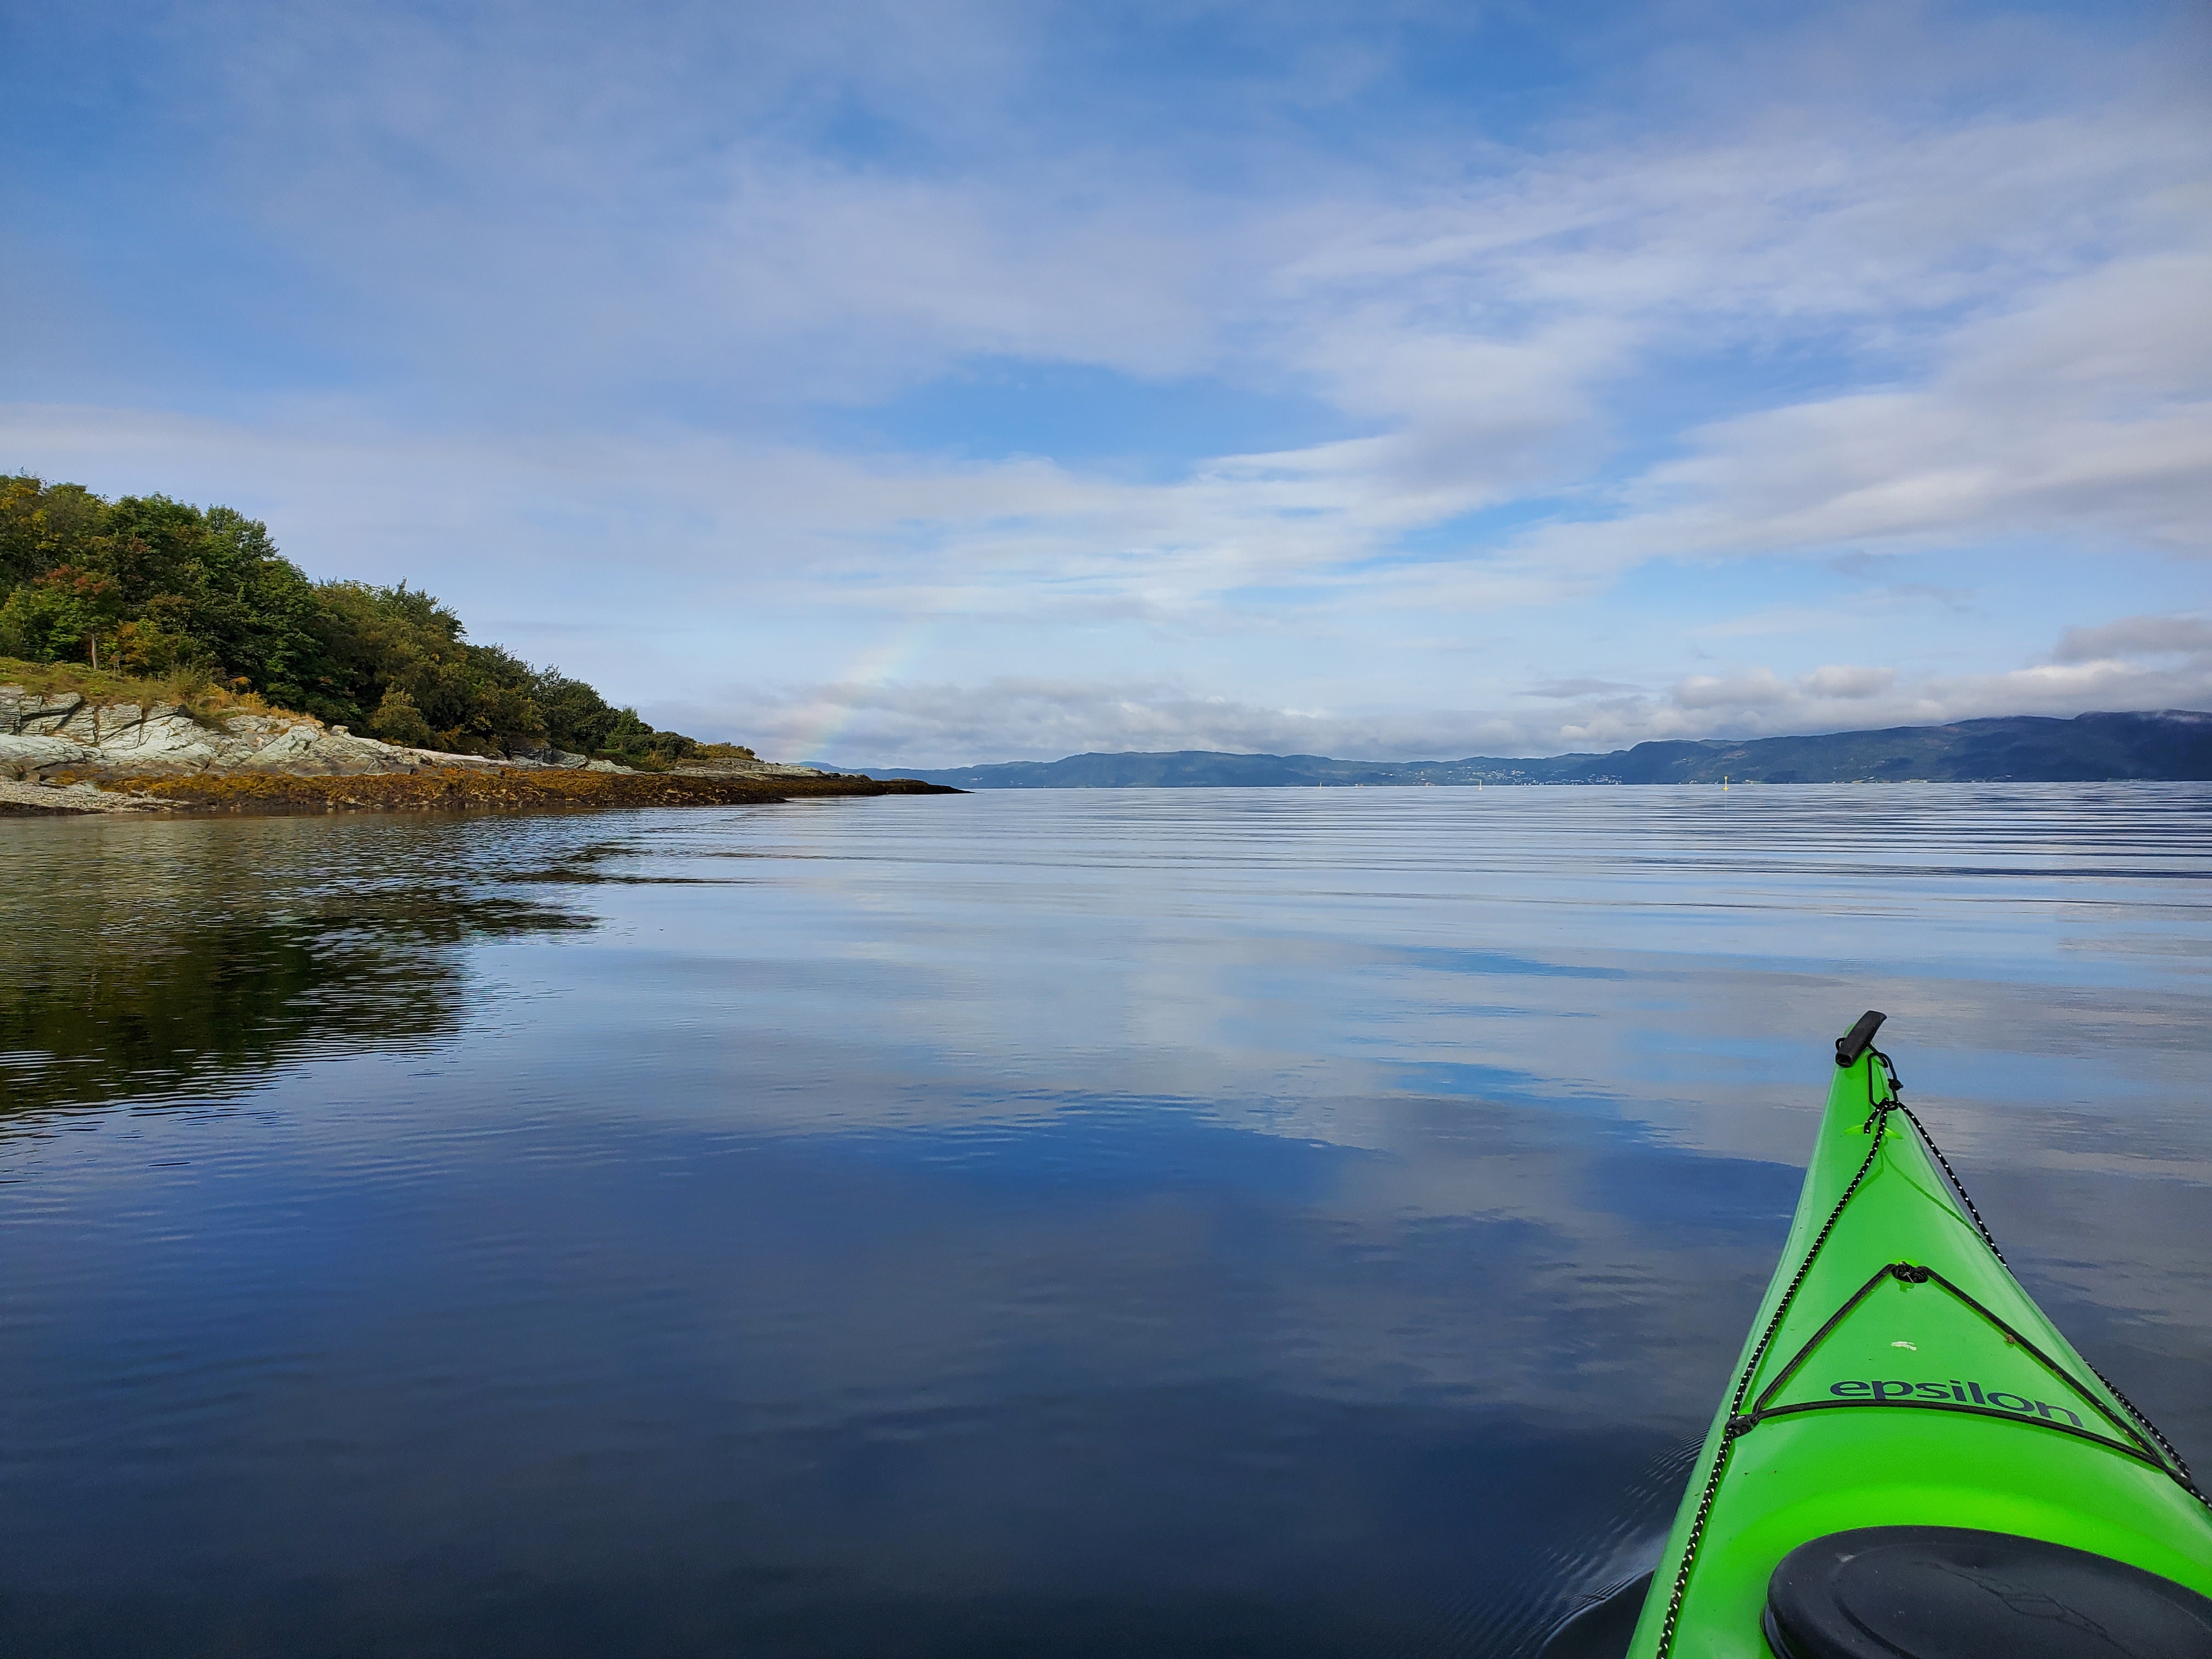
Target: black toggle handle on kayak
1859, 1038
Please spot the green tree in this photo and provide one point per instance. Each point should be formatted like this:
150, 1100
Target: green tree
43, 526
633, 742
473, 699
217, 577
398, 719
577, 717
53, 617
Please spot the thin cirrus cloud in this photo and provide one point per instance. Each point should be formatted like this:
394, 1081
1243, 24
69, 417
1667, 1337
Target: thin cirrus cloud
1025, 380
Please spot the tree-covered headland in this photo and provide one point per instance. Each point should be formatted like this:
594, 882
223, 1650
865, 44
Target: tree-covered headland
148, 586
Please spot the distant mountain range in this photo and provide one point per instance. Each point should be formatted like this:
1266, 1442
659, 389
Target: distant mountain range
2175, 743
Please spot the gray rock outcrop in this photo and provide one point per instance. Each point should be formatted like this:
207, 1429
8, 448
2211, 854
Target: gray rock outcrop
44, 736
76, 800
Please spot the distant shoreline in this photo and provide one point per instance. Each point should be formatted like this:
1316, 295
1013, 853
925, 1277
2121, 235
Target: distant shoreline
2172, 745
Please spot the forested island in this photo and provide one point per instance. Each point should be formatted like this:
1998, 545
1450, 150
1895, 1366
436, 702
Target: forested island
160, 657
200, 598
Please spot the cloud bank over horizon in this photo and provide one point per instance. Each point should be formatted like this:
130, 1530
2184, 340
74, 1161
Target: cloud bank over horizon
998, 382
2137, 663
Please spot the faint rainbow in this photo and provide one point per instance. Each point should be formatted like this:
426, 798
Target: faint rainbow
874, 667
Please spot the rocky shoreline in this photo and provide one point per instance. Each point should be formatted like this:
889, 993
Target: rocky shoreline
61, 753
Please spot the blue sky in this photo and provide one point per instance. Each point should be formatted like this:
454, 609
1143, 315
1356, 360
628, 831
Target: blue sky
943, 382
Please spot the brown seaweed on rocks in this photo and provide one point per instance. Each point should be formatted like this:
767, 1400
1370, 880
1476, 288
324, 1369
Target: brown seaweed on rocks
458, 790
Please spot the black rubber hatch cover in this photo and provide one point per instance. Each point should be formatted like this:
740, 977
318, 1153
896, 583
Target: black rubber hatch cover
1950, 1593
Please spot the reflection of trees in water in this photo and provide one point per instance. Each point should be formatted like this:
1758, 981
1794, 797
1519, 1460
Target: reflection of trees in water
139, 964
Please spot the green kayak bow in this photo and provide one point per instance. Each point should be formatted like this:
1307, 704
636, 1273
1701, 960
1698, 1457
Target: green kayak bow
1912, 1461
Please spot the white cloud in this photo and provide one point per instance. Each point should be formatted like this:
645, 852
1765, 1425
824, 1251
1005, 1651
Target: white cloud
1015, 718
1580, 688
1838, 680
2049, 421
2136, 636
1757, 689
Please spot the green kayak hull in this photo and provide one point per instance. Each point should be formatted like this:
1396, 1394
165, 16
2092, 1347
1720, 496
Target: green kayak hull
1938, 1395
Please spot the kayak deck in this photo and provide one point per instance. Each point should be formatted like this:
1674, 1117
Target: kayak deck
1897, 1374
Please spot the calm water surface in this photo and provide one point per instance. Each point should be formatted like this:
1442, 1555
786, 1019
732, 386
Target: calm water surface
1178, 1223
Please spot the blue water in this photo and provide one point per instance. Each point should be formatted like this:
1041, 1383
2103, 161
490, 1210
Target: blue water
1179, 1222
